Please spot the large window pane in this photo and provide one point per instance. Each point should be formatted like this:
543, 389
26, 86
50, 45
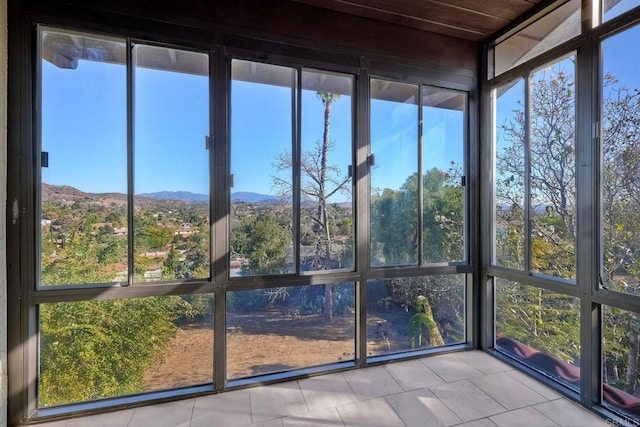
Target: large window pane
443, 139
394, 176
414, 313
282, 329
98, 349
171, 164
510, 140
262, 99
613, 8
552, 178
555, 28
620, 173
621, 361
83, 224
326, 228
540, 328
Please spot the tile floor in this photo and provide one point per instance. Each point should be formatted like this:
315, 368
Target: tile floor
469, 389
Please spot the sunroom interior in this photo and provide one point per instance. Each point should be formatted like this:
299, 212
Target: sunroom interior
303, 212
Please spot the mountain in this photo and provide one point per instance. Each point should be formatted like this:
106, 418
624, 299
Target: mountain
248, 197
68, 193
186, 196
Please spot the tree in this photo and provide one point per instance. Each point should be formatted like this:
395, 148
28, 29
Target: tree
546, 324
552, 174
320, 181
266, 244
438, 301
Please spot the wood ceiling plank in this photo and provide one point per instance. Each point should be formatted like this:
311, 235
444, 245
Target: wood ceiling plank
431, 18
507, 9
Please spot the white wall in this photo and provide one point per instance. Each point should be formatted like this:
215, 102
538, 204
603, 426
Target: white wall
3, 204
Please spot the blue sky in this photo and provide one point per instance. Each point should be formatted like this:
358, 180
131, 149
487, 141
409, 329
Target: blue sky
84, 131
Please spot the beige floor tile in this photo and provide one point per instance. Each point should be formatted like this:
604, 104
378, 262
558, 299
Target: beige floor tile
482, 361
450, 368
421, 408
61, 423
467, 401
275, 401
483, 422
369, 413
323, 418
535, 385
413, 374
225, 410
326, 391
524, 417
507, 391
171, 414
277, 422
372, 382
111, 419
569, 414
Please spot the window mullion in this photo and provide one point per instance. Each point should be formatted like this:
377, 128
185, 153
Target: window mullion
420, 230
130, 159
527, 175
296, 111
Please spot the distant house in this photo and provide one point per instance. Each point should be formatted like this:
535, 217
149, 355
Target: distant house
120, 231
45, 226
183, 231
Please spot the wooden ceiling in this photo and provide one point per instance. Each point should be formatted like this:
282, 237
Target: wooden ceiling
473, 20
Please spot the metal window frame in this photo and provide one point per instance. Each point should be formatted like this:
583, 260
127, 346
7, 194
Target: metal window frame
24, 359
588, 222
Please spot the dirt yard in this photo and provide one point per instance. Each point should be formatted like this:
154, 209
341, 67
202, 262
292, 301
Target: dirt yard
274, 340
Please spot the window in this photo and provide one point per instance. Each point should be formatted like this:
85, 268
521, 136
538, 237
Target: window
412, 313
614, 8
171, 204
97, 349
540, 328
416, 219
620, 148
553, 29
444, 180
535, 172
91, 157
273, 173
509, 219
281, 329
394, 175
262, 137
620, 369
85, 224
552, 210
83, 198
326, 211
138, 207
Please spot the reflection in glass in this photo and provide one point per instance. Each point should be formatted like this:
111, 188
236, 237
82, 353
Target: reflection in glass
415, 312
394, 175
443, 137
620, 175
99, 349
540, 328
621, 361
555, 28
326, 228
509, 134
262, 99
553, 169
282, 329
613, 8
83, 212
171, 222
